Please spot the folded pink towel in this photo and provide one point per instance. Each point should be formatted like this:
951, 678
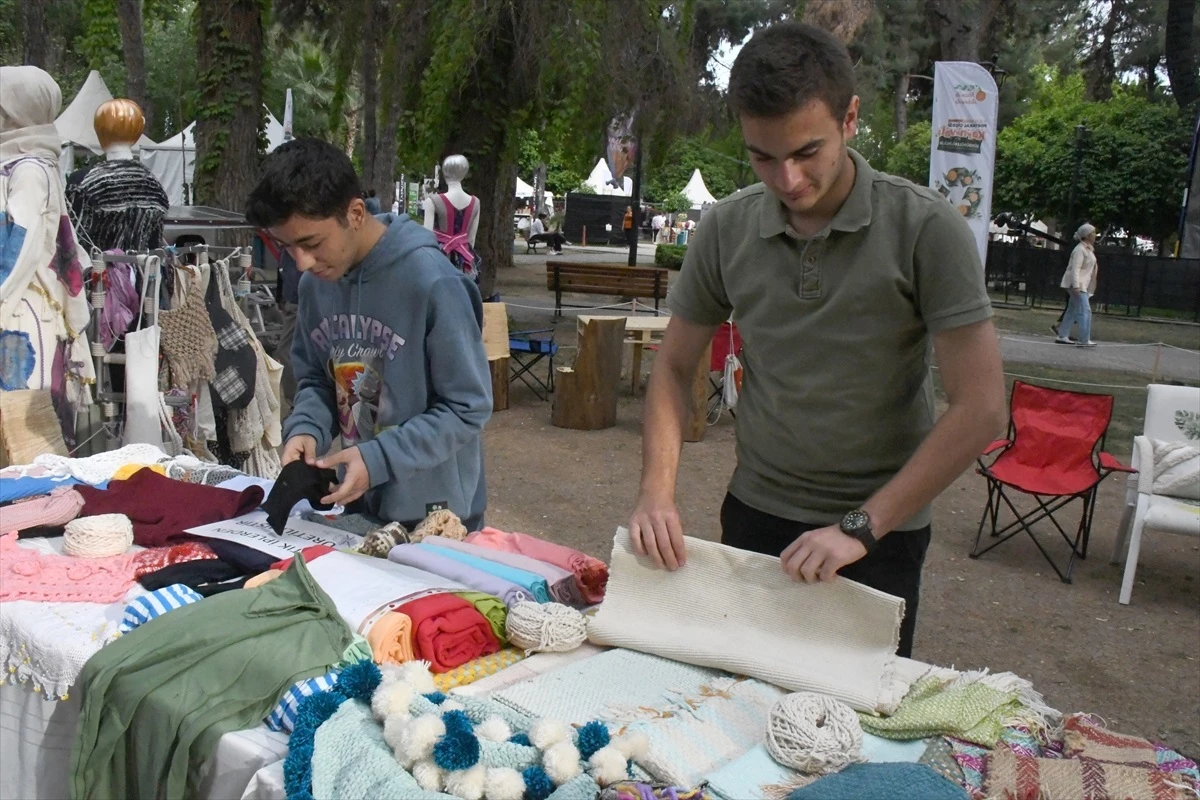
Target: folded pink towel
62, 505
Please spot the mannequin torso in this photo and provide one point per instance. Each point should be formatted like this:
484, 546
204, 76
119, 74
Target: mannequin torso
435, 212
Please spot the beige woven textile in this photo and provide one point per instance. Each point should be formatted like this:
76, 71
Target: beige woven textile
735, 610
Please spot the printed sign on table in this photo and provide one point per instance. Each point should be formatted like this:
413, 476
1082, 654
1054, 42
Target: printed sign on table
252, 530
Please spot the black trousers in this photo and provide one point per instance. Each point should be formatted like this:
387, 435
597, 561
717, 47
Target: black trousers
894, 566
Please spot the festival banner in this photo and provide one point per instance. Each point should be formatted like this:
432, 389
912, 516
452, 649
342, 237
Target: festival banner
962, 150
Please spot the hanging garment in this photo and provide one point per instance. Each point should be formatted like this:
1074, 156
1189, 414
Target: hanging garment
235, 362
143, 424
44, 311
189, 341
156, 701
452, 235
120, 205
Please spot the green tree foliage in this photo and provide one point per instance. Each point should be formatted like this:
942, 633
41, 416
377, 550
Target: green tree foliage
909, 157
1133, 165
685, 155
676, 203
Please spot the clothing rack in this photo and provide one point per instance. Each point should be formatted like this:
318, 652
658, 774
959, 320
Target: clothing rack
149, 265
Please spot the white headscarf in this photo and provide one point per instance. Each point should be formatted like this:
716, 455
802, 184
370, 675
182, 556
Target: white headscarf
29, 102
1085, 230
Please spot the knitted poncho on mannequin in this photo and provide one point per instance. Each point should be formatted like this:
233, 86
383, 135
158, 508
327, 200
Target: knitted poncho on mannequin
120, 205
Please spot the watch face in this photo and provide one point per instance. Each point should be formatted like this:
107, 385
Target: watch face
855, 520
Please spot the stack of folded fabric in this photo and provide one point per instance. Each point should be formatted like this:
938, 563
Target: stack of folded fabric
448, 631
560, 583
591, 574
437, 561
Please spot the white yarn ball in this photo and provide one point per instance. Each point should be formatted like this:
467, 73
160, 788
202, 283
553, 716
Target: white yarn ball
813, 733
494, 729
393, 729
633, 745
561, 762
504, 783
421, 735
391, 698
98, 536
428, 775
545, 627
608, 765
467, 783
547, 732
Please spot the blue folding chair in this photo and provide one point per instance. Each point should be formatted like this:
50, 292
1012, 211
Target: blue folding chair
526, 350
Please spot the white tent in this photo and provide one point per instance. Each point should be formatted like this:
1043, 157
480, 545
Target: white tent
525, 190
76, 124
173, 161
697, 192
600, 177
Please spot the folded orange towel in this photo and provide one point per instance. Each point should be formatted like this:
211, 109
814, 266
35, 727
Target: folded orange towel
391, 639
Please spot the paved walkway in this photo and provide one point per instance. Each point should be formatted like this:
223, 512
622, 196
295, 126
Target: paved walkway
1017, 348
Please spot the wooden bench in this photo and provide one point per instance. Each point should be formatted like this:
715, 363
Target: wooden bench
616, 280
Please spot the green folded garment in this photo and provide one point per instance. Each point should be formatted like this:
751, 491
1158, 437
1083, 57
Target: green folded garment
157, 700
493, 610
976, 713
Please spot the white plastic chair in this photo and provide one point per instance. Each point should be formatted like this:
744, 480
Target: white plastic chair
1143, 508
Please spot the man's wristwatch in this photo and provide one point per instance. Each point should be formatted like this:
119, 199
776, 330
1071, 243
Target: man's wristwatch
857, 523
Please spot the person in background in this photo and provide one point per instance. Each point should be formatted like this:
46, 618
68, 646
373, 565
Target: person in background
372, 202
656, 225
539, 233
1079, 280
388, 349
627, 226
841, 280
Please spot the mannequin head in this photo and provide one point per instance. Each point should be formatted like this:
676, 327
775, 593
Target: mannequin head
455, 168
119, 124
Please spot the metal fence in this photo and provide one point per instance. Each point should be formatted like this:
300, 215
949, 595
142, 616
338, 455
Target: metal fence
1129, 284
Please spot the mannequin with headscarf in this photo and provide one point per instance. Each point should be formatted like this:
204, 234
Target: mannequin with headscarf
119, 203
1079, 280
43, 309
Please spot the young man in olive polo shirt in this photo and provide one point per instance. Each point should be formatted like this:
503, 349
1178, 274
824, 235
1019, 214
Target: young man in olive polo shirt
839, 279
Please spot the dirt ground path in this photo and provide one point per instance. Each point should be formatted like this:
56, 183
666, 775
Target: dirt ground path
1137, 666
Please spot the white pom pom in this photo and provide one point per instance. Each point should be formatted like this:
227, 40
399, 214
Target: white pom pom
608, 765
428, 775
394, 698
393, 729
417, 675
504, 783
420, 735
388, 673
494, 729
467, 783
450, 704
561, 762
633, 745
547, 732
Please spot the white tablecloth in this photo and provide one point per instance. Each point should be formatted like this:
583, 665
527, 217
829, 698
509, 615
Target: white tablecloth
36, 736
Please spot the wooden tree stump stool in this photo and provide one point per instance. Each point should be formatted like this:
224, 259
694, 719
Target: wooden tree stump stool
499, 368
585, 396
495, 344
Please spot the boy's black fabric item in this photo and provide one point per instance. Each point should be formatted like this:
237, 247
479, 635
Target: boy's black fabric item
298, 481
42, 532
246, 559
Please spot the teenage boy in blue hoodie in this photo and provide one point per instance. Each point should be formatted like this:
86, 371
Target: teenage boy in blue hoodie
388, 351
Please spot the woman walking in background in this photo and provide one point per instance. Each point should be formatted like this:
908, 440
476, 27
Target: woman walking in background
1080, 281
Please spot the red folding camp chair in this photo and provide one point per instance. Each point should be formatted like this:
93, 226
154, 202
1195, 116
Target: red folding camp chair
1054, 453
726, 341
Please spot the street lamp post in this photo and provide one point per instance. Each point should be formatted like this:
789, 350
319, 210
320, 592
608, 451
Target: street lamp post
1081, 138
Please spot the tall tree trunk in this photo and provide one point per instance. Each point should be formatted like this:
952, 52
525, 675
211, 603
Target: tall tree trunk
959, 25
370, 87
1100, 68
392, 78
1181, 52
35, 34
230, 62
900, 105
129, 15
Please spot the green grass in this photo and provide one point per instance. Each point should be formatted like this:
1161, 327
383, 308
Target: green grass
1105, 327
